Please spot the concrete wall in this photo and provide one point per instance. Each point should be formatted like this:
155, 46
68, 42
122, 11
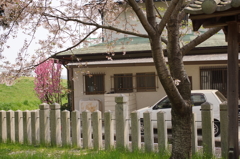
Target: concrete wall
143, 99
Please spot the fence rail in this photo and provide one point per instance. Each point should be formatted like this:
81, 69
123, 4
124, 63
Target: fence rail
50, 126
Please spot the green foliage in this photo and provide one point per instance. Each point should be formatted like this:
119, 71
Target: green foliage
21, 95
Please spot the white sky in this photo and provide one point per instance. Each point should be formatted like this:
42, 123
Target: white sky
17, 43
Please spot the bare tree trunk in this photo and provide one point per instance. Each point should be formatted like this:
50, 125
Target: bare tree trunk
181, 110
181, 133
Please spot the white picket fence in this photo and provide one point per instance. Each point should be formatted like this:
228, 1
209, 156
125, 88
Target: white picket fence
50, 126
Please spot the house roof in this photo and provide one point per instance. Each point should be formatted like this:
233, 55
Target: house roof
211, 6
120, 45
139, 44
134, 47
213, 13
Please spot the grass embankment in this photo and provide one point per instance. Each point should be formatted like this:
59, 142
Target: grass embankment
12, 151
20, 96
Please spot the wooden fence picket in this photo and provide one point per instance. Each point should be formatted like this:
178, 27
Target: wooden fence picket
27, 133
148, 131
10, 126
66, 130
55, 124
135, 129
18, 126
207, 129
87, 131
121, 119
97, 130
76, 128
3, 127
44, 124
162, 132
35, 127
108, 130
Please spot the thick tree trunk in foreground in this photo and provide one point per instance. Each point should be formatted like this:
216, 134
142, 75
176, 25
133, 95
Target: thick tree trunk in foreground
181, 105
181, 133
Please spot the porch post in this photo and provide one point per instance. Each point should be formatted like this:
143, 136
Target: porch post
232, 90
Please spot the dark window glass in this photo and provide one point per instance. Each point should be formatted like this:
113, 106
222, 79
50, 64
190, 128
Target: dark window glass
123, 83
214, 78
94, 84
146, 82
163, 104
220, 96
197, 99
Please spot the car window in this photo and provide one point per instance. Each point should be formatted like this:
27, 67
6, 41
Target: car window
220, 96
197, 99
163, 104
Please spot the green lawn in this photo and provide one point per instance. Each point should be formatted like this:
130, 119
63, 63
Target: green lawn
13, 151
21, 95
19, 151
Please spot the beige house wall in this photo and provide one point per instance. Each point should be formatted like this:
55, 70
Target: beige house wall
143, 99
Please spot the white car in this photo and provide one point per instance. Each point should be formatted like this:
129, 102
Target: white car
198, 97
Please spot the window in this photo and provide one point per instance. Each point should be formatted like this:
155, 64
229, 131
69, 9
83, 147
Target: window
163, 104
146, 82
214, 78
123, 83
94, 84
220, 96
197, 99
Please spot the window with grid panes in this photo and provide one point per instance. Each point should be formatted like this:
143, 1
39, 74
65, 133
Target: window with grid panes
94, 84
146, 82
123, 83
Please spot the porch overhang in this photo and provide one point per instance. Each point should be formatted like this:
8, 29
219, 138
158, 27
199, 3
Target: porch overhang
188, 60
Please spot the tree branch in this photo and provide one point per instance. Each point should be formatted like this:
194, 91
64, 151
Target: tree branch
198, 40
97, 25
167, 15
164, 40
151, 16
70, 48
159, 14
141, 16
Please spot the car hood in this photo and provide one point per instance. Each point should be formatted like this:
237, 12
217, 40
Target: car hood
142, 110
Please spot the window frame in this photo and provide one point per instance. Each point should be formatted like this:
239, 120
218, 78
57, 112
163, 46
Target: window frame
95, 82
199, 103
144, 76
164, 102
120, 78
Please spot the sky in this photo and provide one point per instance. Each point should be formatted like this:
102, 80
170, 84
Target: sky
16, 44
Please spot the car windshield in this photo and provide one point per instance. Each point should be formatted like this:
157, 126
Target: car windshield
165, 103
197, 99
220, 96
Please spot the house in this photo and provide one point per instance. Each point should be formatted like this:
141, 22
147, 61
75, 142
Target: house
98, 74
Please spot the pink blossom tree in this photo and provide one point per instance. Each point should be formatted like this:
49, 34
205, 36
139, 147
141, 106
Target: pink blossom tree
48, 82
